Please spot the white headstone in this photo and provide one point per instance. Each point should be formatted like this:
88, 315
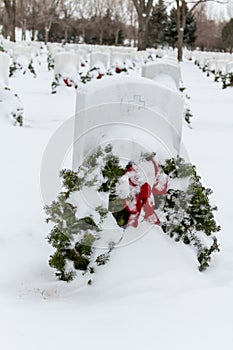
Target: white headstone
133, 113
220, 66
164, 72
229, 67
66, 62
99, 60
4, 69
23, 51
211, 64
52, 46
119, 58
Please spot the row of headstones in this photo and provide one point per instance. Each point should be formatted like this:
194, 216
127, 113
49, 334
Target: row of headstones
28, 49
214, 62
90, 54
67, 65
23, 56
85, 50
32, 49
10, 104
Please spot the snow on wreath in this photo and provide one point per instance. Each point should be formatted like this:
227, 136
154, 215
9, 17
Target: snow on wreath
104, 192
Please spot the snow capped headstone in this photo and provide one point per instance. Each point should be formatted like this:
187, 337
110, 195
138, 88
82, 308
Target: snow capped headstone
4, 69
119, 58
83, 53
54, 48
136, 114
66, 70
25, 52
23, 59
99, 60
66, 62
8, 46
159, 53
167, 73
229, 67
220, 65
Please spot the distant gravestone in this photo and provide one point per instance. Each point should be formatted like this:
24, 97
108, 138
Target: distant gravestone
220, 66
119, 58
4, 69
229, 67
169, 74
134, 114
99, 60
52, 47
23, 51
66, 62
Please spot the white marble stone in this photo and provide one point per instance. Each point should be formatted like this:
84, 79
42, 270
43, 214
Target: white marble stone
120, 58
99, 60
135, 114
23, 51
4, 69
169, 73
66, 62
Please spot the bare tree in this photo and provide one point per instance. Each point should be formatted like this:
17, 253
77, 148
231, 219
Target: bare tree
99, 10
143, 9
182, 11
133, 23
208, 31
48, 13
118, 11
67, 10
10, 6
22, 18
34, 9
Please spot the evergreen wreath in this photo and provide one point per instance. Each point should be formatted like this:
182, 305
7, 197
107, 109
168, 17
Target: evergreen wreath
187, 112
50, 62
13, 105
227, 80
17, 67
65, 80
184, 212
32, 69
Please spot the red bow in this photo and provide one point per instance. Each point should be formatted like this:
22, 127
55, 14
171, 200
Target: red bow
144, 200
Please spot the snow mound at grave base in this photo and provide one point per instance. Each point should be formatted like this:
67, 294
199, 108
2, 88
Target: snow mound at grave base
146, 264
151, 259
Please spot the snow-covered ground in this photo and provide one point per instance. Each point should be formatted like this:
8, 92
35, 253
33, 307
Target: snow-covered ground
151, 294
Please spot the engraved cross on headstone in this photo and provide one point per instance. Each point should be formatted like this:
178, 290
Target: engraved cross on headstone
136, 103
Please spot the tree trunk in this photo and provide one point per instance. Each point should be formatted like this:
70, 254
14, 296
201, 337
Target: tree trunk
5, 27
142, 33
66, 35
11, 13
33, 33
24, 27
143, 9
47, 30
180, 26
33, 21
180, 44
101, 37
117, 37
13, 23
46, 38
135, 37
84, 34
